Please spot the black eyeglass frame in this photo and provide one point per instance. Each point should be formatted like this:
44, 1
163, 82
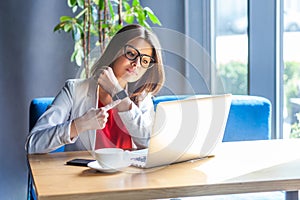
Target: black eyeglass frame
152, 60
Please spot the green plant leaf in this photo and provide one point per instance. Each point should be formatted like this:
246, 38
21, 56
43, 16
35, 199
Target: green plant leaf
101, 4
152, 16
114, 29
140, 16
67, 27
80, 3
73, 56
135, 2
80, 27
74, 9
78, 50
111, 10
65, 18
126, 6
71, 3
129, 18
59, 26
105, 25
78, 59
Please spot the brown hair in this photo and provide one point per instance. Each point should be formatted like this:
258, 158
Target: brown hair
153, 79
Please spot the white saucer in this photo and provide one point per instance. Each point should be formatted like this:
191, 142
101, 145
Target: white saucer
95, 165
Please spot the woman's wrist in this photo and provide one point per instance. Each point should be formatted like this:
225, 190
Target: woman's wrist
73, 132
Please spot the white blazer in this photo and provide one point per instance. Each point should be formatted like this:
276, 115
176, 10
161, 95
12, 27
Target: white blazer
52, 129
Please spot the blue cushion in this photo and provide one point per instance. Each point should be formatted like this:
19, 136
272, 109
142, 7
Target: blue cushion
37, 107
249, 119
163, 98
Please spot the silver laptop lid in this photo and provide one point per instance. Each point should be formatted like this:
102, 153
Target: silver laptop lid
187, 129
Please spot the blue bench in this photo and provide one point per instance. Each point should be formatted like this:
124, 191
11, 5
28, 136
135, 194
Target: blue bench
249, 116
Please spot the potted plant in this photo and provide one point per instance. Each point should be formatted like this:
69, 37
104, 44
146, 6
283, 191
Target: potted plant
96, 21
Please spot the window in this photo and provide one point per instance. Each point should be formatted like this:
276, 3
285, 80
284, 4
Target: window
291, 59
232, 44
250, 63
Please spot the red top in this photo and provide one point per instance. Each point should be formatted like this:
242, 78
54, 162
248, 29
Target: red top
114, 134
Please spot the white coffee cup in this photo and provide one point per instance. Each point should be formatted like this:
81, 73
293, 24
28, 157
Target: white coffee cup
112, 157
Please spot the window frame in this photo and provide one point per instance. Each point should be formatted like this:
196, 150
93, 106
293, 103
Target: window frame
265, 60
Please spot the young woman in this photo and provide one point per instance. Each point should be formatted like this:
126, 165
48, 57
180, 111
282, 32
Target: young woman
114, 107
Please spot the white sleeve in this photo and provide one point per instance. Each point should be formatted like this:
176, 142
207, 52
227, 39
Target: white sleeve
138, 121
52, 129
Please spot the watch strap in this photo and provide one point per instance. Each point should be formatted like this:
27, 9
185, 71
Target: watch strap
120, 95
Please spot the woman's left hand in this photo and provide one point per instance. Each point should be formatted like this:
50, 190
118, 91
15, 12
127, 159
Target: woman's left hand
108, 81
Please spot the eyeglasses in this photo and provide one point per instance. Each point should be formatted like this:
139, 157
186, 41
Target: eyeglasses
132, 54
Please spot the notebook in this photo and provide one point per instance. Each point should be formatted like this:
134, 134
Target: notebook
184, 130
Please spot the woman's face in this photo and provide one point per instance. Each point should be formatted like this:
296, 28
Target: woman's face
130, 70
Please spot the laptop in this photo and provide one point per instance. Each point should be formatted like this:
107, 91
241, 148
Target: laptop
185, 130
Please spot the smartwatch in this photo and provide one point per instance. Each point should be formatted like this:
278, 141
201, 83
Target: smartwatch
120, 95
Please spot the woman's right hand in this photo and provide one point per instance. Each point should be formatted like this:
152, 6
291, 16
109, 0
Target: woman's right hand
93, 119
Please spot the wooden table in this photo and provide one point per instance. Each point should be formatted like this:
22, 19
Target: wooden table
237, 167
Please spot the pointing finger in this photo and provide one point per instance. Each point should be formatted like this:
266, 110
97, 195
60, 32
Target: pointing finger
111, 105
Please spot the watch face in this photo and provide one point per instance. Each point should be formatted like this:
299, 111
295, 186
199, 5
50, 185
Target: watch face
120, 95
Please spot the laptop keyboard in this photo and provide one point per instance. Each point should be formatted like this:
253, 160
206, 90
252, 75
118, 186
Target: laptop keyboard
139, 161
139, 158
